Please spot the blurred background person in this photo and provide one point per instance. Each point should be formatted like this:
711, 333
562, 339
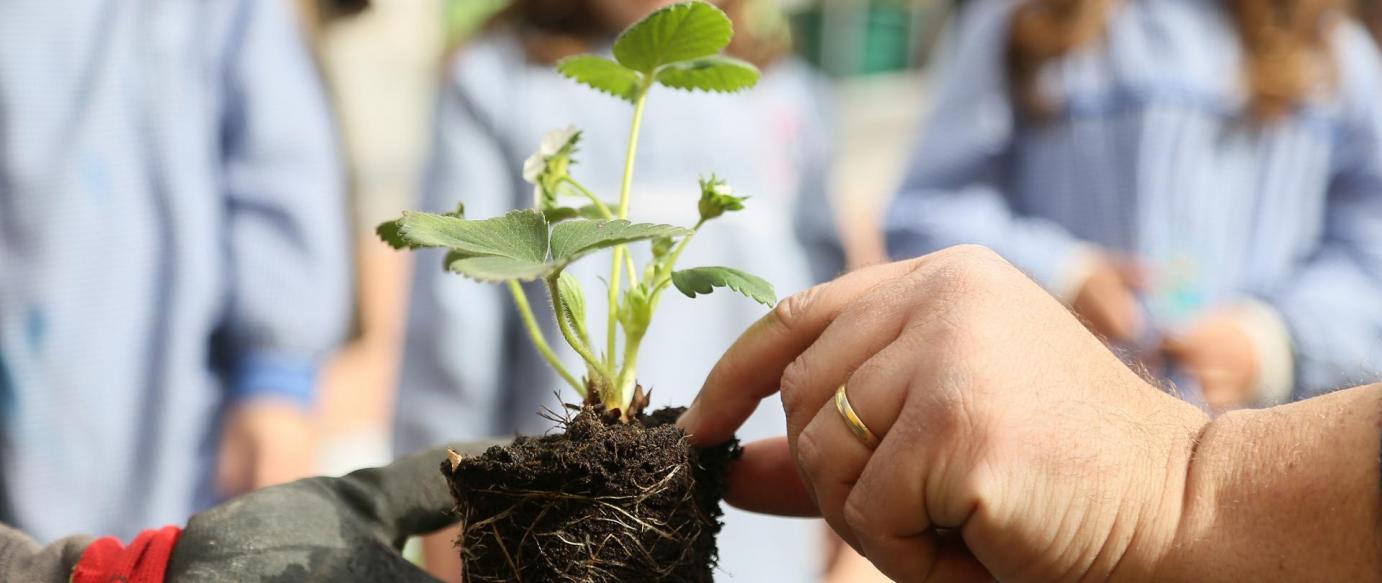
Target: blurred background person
469, 370
171, 258
1199, 178
380, 58
1370, 12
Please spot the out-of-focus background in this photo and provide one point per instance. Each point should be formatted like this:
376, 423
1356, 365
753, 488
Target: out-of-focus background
193, 302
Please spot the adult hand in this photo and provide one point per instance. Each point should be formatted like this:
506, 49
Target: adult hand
1218, 354
1013, 443
322, 529
1107, 300
264, 442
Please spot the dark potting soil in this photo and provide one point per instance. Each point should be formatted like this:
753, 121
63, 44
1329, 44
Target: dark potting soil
602, 502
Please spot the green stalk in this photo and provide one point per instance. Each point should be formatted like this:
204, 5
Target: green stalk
617, 261
599, 204
535, 332
626, 381
633, 269
576, 343
671, 262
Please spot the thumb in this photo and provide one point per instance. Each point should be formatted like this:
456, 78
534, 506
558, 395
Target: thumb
409, 496
765, 480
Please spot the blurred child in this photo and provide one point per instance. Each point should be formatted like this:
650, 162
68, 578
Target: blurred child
380, 65
1198, 178
468, 368
171, 257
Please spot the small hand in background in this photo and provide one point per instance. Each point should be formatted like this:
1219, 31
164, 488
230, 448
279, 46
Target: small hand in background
264, 442
847, 565
1218, 354
1107, 300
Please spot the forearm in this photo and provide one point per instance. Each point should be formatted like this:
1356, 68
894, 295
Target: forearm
1287, 493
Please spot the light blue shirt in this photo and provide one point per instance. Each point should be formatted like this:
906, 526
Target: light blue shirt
470, 371
171, 238
1150, 153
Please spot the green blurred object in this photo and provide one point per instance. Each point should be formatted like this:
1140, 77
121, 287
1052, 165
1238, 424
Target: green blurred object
465, 17
864, 37
887, 39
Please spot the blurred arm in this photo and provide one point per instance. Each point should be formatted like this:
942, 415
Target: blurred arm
817, 225
954, 191
285, 194
456, 355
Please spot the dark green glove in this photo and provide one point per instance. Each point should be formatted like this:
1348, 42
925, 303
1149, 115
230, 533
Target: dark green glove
322, 529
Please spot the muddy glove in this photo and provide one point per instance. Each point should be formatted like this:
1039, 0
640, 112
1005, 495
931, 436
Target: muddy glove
22, 559
321, 529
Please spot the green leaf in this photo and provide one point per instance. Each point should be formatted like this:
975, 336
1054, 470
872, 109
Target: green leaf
680, 32
703, 280
495, 268
573, 302
602, 74
391, 232
521, 234
719, 73
513, 246
572, 239
563, 213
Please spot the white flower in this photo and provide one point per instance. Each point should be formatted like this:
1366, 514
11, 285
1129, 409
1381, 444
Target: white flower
555, 142
533, 167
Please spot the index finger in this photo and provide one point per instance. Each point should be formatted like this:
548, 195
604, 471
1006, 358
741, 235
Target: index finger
753, 366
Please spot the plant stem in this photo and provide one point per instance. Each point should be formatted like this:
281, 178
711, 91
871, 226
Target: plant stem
625, 382
576, 343
599, 204
617, 261
671, 262
520, 298
633, 269
632, 152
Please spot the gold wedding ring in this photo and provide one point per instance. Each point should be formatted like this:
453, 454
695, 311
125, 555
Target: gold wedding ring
852, 420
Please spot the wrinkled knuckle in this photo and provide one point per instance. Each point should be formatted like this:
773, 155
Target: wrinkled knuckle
976, 261
856, 514
972, 253
792, 310
809, 454
795, 379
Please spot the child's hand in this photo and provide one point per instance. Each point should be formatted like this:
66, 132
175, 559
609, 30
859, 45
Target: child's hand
264, 442
1219, 355
1107, 302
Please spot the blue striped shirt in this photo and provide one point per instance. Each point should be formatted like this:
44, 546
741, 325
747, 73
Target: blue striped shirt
1151, 153
168, 176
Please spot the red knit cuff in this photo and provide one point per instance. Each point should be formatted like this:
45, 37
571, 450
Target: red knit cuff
144, 561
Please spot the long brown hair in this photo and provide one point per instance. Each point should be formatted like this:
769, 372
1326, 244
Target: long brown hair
553, 29
1285, 47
